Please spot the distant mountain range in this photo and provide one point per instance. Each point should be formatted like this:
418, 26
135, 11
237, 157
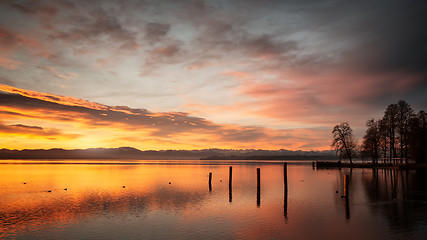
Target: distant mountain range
133, 153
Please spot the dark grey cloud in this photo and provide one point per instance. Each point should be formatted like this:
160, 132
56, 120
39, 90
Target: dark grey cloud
388, 35
377, 36
34, 130
169, 53
77, 22
26, 7
27, 127
91, 28
265, 46
155, 32
381, 35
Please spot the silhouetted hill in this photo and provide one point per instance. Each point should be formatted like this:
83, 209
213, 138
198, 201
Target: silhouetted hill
272, 157
133, 153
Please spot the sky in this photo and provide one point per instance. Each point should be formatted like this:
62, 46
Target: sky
204, 74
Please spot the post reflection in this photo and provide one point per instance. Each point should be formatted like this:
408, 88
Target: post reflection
346, 196
230, 194
347, 208
402, 190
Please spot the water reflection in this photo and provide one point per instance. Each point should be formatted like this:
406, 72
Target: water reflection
379, 204
399, 195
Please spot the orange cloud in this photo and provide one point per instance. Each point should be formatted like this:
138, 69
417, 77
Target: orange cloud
34, 132
36, 118
9, 63
55, 73
69, 101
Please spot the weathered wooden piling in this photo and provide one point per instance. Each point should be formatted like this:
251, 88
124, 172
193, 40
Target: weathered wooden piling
313, 164
230, 177
210, 182
258, 181
285, 177
285, 190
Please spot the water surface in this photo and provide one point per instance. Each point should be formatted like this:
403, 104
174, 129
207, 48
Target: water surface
172, 200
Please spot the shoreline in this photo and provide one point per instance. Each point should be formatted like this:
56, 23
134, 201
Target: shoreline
339, 164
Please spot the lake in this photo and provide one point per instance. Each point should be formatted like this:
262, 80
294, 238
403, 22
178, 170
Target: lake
173, 200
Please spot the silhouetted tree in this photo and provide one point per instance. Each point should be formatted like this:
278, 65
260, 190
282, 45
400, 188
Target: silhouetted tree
371, 140
404, 115
343, 140
383, 140
418, 137
390, 120
399, 133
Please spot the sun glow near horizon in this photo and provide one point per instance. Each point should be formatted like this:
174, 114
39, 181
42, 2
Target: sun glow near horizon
32, 120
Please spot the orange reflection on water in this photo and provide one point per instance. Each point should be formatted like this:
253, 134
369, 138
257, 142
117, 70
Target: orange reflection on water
33, 195
171, 199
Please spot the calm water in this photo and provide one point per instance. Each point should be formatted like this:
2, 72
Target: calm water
382, 204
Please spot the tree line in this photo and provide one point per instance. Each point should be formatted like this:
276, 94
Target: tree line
400, 135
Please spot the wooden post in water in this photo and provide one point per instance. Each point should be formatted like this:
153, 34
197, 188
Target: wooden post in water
346, 194
285, 190
230, 177
258, 187
346, 185
313, 164
210, 182
285, 177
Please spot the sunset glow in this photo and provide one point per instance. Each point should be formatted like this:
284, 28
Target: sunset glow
213, 119
203, 74
32, 120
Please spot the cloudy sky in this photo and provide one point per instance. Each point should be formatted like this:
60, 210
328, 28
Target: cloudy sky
201, 74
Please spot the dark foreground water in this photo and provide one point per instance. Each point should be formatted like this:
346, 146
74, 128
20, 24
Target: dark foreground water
136, 201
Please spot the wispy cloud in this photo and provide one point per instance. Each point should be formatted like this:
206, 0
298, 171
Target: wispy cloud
57, 74
25, 131
9, 63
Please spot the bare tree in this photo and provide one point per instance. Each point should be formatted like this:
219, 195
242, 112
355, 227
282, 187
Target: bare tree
343, 140
371, 140
383, 141
405, 113
390, 119
418, 137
